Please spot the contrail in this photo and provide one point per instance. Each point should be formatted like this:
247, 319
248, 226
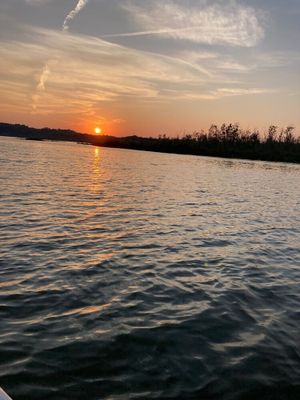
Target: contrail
41, 85
46, 69
44, 76
146, 33
72, 14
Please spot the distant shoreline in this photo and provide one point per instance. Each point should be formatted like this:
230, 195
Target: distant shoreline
227, 141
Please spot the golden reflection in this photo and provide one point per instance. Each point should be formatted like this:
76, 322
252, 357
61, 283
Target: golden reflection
95, 186
84, 310
11, 283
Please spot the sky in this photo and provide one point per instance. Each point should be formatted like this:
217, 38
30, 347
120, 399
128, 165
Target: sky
150, 67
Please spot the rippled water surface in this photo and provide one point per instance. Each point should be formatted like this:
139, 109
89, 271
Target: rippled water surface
134, 275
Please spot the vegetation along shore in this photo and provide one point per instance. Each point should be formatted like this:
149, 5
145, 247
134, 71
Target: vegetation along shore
227, 140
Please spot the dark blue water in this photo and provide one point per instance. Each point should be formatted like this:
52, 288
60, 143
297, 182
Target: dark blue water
134, 275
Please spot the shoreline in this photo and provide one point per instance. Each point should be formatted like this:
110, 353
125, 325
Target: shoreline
228, 142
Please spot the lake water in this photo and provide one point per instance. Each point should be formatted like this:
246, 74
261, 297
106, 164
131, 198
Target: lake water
135, 275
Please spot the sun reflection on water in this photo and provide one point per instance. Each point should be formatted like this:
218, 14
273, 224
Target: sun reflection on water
95, 185
97, 152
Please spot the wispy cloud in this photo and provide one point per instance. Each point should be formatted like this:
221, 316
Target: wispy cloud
234, 67
225, 23
90, 72
223, 92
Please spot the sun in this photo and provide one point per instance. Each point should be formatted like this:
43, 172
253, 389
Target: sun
97, 130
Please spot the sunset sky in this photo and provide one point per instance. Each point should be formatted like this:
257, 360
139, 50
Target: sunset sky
149, 67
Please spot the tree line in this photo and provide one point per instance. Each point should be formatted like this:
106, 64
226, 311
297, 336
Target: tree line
226, 140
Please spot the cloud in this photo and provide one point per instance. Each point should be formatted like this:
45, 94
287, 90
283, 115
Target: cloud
223, 92
219, 93
222, 23
235, 67
87, 72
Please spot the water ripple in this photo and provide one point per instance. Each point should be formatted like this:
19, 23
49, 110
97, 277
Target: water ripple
132, 275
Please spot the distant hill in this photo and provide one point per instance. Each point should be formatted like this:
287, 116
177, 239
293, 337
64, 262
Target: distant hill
27, 132
228, 140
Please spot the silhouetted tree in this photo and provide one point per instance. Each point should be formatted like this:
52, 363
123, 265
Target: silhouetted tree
228, 140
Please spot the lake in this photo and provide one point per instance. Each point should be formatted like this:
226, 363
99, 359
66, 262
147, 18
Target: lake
139, 275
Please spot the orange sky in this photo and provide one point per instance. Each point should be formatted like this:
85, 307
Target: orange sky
147, 68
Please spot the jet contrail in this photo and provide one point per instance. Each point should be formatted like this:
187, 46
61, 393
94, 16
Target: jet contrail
41, 85
46, 69
146, 33
44, 76
72, 14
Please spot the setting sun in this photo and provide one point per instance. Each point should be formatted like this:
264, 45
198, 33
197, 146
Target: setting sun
97, 131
